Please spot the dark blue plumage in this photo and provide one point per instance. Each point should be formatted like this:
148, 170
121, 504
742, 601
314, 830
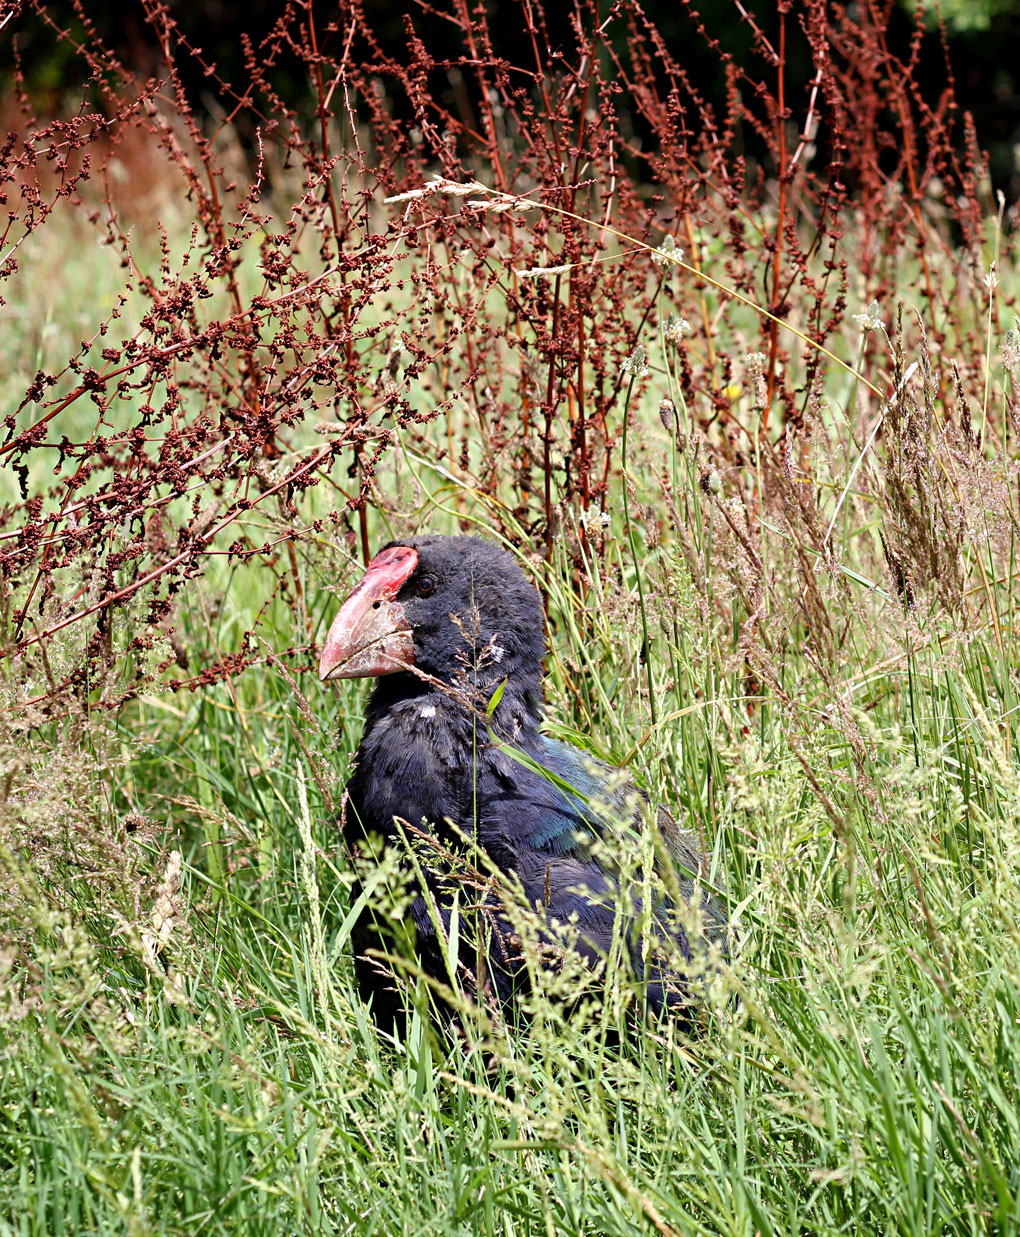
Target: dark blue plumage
448, 624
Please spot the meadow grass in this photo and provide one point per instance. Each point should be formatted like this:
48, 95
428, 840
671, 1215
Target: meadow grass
184, 1049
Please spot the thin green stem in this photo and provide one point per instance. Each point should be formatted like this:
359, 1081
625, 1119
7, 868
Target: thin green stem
631, 540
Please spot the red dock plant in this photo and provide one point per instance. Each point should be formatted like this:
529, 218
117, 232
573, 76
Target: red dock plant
450, 251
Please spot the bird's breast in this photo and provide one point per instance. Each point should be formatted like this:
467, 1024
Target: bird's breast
414, 764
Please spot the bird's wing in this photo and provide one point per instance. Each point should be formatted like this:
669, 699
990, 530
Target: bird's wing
563, 799
606, 801
563, 817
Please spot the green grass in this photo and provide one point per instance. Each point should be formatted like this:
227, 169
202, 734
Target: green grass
196, 1058
867, 1080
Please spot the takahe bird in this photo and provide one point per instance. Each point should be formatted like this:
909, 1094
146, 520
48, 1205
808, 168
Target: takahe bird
447, 626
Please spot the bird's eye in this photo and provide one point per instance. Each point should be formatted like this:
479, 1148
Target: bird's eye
425, 586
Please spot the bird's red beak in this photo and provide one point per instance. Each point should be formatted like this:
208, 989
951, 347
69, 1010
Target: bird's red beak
370, 636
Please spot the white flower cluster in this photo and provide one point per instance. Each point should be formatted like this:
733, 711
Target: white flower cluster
667, 253
871, 319
636, 364
676, 328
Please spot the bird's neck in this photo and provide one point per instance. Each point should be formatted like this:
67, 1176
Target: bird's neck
517, 714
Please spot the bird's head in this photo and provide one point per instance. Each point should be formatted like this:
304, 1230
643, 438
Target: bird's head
456, 609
